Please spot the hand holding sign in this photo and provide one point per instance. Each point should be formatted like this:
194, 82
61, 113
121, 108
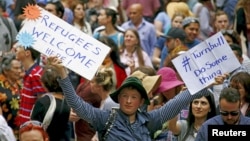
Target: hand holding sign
200, 65
57, 63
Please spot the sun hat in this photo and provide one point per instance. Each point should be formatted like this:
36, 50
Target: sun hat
128, 82
169, 79
175, 32
150, 83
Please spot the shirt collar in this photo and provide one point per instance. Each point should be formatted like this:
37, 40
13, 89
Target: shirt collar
31, 68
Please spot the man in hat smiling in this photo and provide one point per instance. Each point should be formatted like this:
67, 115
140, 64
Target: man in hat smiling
127, 122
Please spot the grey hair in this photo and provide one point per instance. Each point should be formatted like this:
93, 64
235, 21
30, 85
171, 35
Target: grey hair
6, 62
230, 94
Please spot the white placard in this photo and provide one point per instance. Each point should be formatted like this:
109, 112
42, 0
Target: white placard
51, 36
201, 64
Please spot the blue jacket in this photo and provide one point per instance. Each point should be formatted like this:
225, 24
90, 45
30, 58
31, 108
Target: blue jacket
217, 120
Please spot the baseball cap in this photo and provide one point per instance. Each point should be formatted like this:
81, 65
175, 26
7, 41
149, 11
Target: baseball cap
175, 32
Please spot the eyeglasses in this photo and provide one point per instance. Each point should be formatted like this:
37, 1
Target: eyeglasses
33, 122
233, 113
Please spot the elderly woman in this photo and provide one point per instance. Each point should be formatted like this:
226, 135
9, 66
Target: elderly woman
10, 86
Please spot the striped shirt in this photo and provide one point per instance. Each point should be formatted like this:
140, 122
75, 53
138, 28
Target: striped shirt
32, 87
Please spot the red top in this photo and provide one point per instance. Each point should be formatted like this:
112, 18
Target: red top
32, 87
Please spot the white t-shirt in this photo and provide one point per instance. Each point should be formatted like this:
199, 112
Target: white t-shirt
6, 133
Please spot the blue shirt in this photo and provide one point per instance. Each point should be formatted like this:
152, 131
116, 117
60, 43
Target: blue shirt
217, 120
161, 44
118, 37
147, 35
193, 43
146, 123
165, 20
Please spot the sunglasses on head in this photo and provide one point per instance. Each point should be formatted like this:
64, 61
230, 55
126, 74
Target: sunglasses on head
33, 122
233, 113
230, 32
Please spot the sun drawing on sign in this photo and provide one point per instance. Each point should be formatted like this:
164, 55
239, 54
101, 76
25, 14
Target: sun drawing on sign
25, 39
32, 12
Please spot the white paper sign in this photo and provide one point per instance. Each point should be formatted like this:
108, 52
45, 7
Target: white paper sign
201, 64
51, 36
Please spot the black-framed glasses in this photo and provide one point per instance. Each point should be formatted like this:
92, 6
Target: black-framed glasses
33, 122
233, 113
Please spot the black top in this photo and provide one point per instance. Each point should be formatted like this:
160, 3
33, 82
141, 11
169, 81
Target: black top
59, 128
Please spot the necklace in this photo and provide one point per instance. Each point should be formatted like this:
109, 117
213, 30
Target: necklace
195, 130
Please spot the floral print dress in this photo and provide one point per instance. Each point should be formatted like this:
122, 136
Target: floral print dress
9, 101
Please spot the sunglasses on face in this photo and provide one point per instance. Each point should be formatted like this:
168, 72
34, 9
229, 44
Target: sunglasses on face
33, 122
233, 113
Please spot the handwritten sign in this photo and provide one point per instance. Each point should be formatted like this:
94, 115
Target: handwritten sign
201, 64
51, 36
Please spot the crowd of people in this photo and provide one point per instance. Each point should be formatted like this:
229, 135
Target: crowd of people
137, 92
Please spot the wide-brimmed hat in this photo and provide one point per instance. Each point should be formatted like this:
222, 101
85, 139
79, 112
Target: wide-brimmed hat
150, 83
128, 82
169, 79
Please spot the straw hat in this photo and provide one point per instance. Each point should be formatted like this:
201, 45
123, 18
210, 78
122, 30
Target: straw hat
150, 83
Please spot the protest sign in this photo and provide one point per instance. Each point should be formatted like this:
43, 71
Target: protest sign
201, 64
53, 36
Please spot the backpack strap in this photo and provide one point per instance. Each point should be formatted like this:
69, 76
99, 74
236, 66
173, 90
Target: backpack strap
50, 112
109, 124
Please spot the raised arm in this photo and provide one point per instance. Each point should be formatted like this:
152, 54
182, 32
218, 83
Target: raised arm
82, 108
